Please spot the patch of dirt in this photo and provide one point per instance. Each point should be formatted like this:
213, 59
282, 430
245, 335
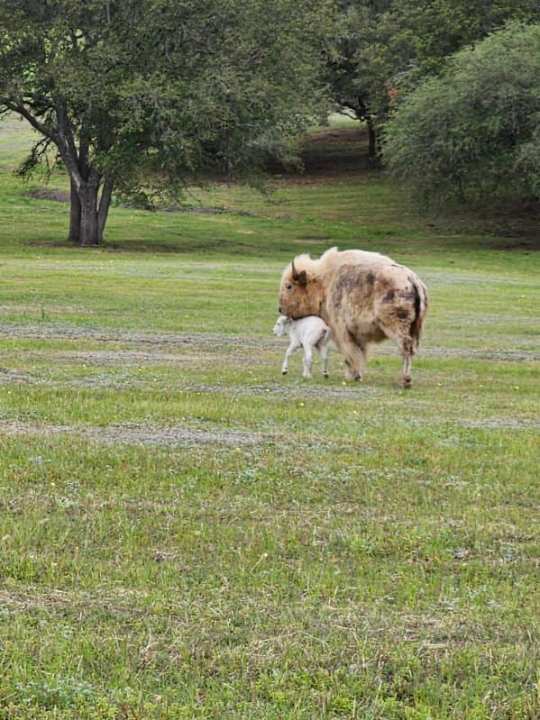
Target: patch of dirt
499, 423
307, 390
388, 349
498, 355
506, 355
45, 193
125, 357
176, 436
7, 377
214, 343
198, 210
49, 194
210, 341
292, 388
134, 358
134, 434
117, 357
330, 154
119, 602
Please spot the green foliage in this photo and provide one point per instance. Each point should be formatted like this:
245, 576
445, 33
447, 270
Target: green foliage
473, 130
355, 68
137, 96
421, 36
527, 161
382, 47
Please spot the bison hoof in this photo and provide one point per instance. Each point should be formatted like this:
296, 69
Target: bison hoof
406, 383
284, 372
326, 375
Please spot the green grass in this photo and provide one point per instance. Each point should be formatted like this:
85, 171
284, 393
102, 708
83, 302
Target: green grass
186, 534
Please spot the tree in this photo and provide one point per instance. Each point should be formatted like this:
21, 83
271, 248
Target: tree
380, 49
137, 96
348, 77
474, 130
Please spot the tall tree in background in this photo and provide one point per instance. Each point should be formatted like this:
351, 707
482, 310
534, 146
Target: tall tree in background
136, 96
352, 70
379, 49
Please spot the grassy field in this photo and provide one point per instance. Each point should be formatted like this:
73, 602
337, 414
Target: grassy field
186, 534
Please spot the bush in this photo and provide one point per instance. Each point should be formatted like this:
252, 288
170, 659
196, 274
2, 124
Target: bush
474, 130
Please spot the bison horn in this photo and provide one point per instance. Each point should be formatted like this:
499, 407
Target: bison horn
299, 277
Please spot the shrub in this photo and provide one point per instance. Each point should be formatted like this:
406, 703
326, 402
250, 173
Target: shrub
473, 130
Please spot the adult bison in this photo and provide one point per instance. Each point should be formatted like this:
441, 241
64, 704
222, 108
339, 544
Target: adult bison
364, 297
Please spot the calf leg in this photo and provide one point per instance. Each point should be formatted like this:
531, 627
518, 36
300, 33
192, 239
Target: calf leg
308, 361
292, 347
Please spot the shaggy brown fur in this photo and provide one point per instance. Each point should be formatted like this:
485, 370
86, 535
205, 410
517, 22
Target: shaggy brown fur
364, 297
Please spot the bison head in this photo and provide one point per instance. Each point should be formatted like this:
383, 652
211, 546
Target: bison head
299, 295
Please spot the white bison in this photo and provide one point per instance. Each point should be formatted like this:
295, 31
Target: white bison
364, 298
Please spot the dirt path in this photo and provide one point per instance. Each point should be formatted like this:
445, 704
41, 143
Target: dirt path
135, 434
210, 343
67, 332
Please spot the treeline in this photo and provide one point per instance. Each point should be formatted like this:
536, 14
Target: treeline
137, 98
450, 91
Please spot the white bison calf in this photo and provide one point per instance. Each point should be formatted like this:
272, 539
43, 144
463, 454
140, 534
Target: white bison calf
311, 333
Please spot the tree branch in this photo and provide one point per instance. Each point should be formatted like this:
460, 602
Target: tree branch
38, 151
27, 115
66, 144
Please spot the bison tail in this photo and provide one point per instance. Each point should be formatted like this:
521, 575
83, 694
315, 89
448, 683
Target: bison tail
420, 307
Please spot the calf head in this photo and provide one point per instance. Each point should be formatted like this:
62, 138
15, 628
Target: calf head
299, 294
282, 325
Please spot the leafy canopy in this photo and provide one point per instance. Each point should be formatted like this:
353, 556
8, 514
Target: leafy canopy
143, 94
381, 48
475, 129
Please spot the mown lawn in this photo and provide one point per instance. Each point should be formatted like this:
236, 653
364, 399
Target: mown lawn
186, 534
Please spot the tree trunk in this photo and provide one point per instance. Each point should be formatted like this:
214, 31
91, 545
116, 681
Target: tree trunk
89, 211
90, 235
104, 204
74, 216
363, 113
372, 140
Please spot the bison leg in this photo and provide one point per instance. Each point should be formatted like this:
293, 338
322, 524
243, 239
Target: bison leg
400, 332
324, 358
407, 352
355, 359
